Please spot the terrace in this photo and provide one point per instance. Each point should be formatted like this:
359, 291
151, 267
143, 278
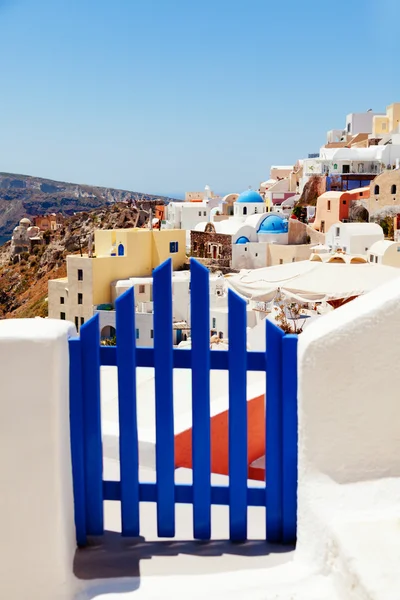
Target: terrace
94, 488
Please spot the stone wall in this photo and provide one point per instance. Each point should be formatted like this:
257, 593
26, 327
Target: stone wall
299, 233
216, 247
385, 197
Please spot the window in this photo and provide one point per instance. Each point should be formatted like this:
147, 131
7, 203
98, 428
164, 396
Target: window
77, 322
281, 261
337, 231
82, 321
214, 323
293, 259
220, 335
141, 289
194, 246
371, 258
62, 316
121, 250
199, 213
344, 202
393, 189
245, 249
361, 193
137, 334
62, 300
376, 259
348, 127
80, 298
256, 254
376, 190
80, 275
329, 205
255, 210
245, 210
173, 247
151, 334
345, 168
205, 213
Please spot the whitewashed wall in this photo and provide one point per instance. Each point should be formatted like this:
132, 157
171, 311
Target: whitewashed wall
36, 504
349, 428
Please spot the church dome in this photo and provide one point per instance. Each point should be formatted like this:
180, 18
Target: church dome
273, 224
250, 196
242, 240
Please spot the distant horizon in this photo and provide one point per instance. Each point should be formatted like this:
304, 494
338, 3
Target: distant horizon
178, 195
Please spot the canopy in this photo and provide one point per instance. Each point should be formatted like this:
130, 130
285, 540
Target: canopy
308, 281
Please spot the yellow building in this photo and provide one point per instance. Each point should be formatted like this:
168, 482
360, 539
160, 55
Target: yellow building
119, 254
385, 124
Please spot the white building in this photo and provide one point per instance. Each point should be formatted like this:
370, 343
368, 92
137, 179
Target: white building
360, 122
249, 203
355, 123
186, 215
144, 308
346, 161
353, 238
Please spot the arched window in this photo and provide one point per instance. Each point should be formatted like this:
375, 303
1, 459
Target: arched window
376, 190
245, 210
121, 250
393, 189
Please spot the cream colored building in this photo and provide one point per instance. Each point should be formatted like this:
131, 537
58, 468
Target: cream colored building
386, 253
119, 254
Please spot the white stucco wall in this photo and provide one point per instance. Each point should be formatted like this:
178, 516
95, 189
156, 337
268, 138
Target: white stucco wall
194, 213
249, 256
354, 242
36, 503
349, 432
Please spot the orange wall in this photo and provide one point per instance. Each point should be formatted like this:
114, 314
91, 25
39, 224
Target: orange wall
359, 194
344, 208
220, 436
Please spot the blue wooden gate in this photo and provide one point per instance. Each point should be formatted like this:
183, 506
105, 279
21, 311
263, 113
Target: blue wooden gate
280, 362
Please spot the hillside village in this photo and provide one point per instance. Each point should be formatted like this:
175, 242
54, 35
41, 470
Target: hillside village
293, 217
332, 248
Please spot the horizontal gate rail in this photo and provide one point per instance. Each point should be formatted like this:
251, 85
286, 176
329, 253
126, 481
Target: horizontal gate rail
182, 359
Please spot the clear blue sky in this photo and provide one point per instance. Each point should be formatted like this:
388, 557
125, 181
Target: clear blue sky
163, 96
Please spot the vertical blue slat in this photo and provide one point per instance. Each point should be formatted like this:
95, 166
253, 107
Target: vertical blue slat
90, 347
273, 432
128, 434
163, 365
289, 426
238, 467
77, 434
201, 437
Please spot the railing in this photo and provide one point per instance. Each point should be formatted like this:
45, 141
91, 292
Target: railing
86, 358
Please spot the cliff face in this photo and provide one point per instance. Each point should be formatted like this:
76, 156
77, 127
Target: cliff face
23, 278
25, 196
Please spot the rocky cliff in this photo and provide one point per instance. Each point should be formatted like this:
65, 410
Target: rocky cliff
23, 278
25, 196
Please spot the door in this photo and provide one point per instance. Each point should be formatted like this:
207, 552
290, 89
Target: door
322, 226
